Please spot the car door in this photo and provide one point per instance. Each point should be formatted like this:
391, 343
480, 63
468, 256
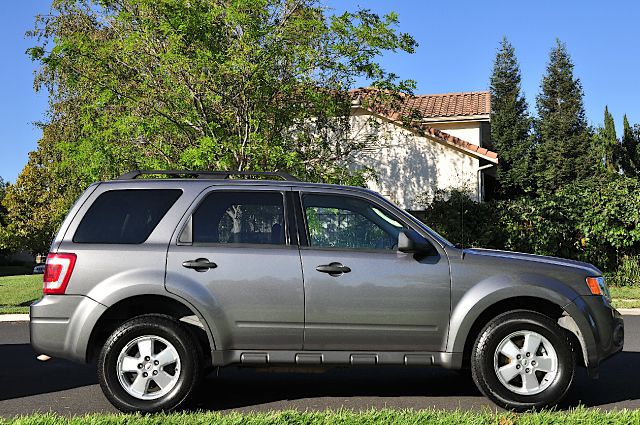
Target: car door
235, 252
360, 292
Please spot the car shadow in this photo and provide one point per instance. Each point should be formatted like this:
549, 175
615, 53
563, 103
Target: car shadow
236, 387
21, 374
619, 378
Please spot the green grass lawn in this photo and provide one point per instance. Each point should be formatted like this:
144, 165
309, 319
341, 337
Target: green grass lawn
626, 296
17, 292
346, 417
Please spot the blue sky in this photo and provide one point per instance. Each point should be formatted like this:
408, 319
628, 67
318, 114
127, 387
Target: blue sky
458, 41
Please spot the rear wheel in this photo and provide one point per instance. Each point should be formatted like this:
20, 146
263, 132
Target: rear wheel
523, 360
149, 364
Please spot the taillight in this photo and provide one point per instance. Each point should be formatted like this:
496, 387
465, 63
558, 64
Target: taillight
57, 272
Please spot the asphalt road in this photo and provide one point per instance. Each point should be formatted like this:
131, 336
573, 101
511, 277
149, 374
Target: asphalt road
27, 385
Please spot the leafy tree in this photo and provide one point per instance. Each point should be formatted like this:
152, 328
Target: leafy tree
200, 84
629, 149
245, 84
510, 124
38, 201
563, 138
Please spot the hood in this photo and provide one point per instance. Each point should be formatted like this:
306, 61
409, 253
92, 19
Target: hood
554, 261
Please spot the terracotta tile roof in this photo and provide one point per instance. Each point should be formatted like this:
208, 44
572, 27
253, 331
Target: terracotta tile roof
435, 105
394, 108
450, 104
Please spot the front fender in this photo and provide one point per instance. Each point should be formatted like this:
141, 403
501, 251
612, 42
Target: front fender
490, 291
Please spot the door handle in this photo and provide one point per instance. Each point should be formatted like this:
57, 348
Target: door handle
199, 265
334, 269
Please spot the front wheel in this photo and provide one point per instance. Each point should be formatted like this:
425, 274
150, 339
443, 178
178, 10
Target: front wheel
149, 364
523, 360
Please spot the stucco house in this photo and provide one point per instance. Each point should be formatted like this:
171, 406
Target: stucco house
424, 143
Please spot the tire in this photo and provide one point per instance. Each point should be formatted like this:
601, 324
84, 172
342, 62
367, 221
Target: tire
174, 361
491, 368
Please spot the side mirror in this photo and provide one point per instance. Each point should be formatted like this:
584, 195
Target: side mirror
410, 241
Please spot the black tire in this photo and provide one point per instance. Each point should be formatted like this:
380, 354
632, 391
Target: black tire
187, 347
482, 360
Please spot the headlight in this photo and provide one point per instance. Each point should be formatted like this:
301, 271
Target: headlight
597, 286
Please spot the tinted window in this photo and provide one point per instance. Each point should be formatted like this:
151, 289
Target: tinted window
240, 217
125, 216
351, 223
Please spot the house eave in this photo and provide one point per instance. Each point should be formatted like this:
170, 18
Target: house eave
457, 118
426, 135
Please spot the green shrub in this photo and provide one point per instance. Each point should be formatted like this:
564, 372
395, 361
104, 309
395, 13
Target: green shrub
15, 270
627, 274
463, 221
594, 220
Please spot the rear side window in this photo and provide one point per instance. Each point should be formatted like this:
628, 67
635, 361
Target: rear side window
240, 218
125, 216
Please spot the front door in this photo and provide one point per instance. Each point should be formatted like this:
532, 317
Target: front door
360, 292
236, 255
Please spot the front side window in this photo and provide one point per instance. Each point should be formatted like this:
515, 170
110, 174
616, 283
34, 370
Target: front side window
240, 218
125, 216
344, 222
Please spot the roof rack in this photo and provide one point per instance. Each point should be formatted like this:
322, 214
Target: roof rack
131, 175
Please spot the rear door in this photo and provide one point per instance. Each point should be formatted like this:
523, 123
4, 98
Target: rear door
235, 250
360, 292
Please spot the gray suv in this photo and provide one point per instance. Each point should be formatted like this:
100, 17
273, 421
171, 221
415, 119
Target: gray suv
159, 280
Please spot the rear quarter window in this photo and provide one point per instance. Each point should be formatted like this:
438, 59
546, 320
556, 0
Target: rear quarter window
125, 216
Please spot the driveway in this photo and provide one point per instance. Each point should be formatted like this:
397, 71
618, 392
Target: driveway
27, 385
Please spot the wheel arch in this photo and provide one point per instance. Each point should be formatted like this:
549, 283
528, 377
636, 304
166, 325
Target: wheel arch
488, 300
530, 303
138, 305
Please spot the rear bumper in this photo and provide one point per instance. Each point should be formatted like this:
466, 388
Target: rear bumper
61, 325
601, 327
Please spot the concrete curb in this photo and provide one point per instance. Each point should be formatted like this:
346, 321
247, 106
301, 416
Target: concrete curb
629, 311
25, 317
14, 317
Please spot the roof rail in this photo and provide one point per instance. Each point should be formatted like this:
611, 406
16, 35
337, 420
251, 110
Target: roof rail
131, 175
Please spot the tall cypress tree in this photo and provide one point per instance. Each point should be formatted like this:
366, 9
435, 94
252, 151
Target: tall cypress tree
510, 124
563, 137
606, 144
629, 152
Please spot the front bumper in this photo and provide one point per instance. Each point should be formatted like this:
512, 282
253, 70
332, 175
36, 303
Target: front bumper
61, 325
601, 329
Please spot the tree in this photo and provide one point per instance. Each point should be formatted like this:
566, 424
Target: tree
204, 84
563, 138
213, 85
3, 212
3, 192
629, 149
606, 144
510, 124
38, 201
